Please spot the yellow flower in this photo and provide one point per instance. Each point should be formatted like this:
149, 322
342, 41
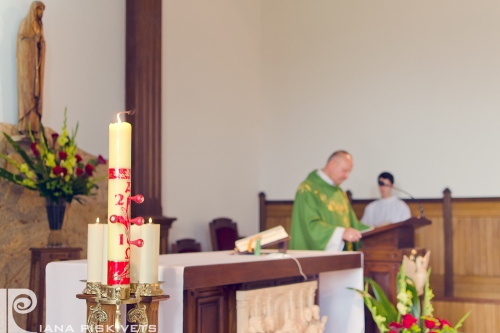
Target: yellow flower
71, 150
24, 168
28, 183
69, 164
63, 138
50, 160
401, 308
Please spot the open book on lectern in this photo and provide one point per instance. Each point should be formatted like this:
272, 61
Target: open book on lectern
268, 237
412, 222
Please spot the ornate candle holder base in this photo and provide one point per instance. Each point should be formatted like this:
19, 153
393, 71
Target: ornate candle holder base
91, 288
151, 305
147, 289
104, 314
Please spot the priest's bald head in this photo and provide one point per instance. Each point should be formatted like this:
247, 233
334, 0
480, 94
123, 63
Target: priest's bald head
339, 166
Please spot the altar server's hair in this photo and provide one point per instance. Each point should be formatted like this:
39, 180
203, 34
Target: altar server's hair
387, 175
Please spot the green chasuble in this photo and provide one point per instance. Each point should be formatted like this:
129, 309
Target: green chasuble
317, 210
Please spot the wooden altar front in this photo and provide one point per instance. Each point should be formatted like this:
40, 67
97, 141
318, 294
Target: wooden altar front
210, 291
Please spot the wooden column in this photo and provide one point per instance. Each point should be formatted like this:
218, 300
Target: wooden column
262, 211
143, 94
448, 244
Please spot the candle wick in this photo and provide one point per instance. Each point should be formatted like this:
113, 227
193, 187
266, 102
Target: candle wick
130, 112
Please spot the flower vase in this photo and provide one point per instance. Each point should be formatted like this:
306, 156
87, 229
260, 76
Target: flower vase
55, 216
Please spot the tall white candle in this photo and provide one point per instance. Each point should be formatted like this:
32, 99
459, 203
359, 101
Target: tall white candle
119, 187
150, 233
94, 251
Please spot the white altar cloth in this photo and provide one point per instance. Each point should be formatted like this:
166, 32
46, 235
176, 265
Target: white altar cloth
343, 307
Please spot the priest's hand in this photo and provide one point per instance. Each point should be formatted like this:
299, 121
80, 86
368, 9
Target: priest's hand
351, 235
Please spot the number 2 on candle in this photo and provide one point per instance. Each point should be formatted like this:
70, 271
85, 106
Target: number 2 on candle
120, 199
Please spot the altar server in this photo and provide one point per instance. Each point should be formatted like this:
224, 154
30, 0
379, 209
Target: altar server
388, 209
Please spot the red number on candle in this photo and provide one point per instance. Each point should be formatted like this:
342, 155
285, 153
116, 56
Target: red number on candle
127, 253
121, 239
120, 200
128, 187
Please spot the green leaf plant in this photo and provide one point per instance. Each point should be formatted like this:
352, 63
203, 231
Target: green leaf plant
411, 314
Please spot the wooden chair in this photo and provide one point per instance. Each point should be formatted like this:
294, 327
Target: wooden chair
223, 233
186, 245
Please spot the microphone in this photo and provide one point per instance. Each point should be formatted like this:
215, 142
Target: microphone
411, 197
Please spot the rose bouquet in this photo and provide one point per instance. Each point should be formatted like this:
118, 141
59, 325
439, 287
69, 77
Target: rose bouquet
53, 168
411, 313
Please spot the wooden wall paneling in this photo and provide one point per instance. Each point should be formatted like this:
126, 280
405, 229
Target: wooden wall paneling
474, 246
485, 316
477, 287
476, 207
279, 214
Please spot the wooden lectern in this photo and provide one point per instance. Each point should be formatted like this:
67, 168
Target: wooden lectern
383, 249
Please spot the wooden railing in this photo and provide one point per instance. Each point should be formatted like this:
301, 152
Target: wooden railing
462, 238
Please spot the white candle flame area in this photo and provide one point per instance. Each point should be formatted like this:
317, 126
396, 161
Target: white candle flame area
97, 220
150, 220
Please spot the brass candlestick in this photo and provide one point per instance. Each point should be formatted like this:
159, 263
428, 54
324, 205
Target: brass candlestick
148, 289
107, 309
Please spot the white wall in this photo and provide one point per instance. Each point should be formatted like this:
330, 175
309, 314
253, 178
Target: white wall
211, 108
405, 86
84, 70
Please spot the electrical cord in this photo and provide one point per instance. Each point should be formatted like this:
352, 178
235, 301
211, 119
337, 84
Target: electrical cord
285, 255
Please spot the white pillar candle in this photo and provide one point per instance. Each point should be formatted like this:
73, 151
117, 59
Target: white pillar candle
135, 233
148, 271
94, 251
119, 186
104, 258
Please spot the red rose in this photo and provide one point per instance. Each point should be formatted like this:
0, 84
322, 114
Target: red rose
430, 323
443, 323
78, 158
395, 326
62, 155
35, 150
54, 136
100, 160
59, 171
89, 169
408, 321
79, 171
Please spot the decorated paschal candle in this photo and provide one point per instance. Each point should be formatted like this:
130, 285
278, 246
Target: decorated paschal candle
119, 187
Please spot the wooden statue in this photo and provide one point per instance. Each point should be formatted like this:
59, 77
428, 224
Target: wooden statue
30, 59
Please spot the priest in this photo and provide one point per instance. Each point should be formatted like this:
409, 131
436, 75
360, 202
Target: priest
322, 217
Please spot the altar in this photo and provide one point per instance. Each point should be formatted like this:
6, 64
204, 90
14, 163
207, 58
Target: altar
201, 288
